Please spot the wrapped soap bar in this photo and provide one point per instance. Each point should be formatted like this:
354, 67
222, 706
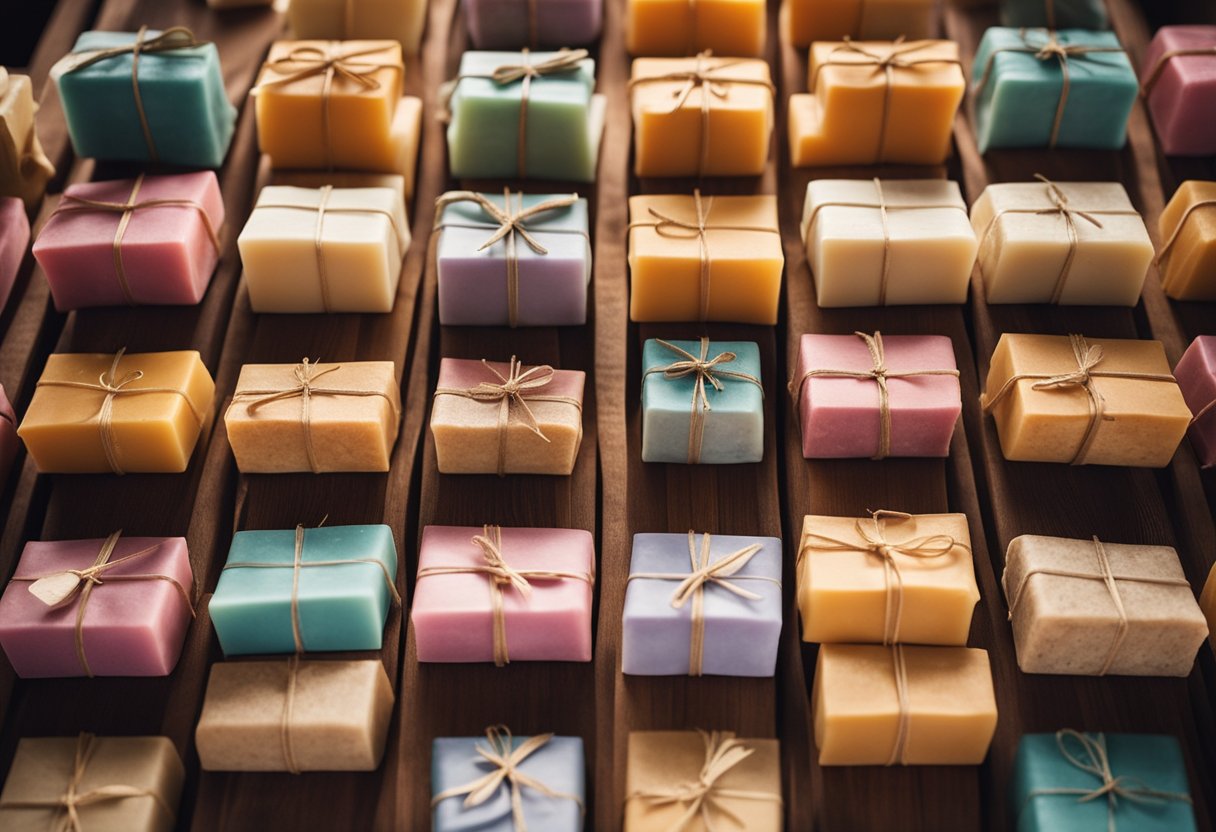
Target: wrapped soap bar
1059, 398
524, 115
741, 778
546, 792
1196, 375
716, 258
8, 436
314, 417
1207, 602
14, 241
324, 249
1063, 781
295, 715
464, 612
506, 418
887, 242
845, 410
24, 168
886, 579
311, 590
1035, 88
1090, 608
1179, 84
548, 24
102, 784
94, 413
701, 116
1073, 243
113, 607
901, 705
702, 402
512, 260
1055, 14
168, 105
806, 21
702, 605
727, 28
1188, 255
154, 240
399, 20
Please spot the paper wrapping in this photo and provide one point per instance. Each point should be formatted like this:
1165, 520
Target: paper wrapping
24, 167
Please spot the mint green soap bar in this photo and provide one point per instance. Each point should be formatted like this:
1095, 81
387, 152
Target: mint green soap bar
341, 607
1017, 105
189, 116
562, 127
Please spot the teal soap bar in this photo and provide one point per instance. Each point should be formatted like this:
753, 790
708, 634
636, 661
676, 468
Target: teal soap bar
562, 127
1017, 101
189, 117
341, 606
1139, 761
730, 431
1055, 14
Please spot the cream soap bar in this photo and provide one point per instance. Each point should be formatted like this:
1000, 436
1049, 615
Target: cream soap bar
24, 168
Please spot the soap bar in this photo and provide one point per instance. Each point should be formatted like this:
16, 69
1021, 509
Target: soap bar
482, 427
169, 106
399, 20
1050, 790
314, 417
24, 168
1188, 253
463, 613
131, 623
1207, 602
537, 274
719, 125
540, 121
237, 4
713, 416
946, 714
919, 590
1022, 98
284, 591
841, 407
76, 423
1179, 82
744, 794
514, 24
153, 240
806, 21
14, 241
8, 436
726, 625
1196, 374
859, 114
728, 270
1073, 243
728, 28
324, 249
1092, 608
887, 242
1055, 14
1045, 413
45, 768
334, 716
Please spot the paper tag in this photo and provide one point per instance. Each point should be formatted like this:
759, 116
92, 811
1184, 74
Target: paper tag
53, 590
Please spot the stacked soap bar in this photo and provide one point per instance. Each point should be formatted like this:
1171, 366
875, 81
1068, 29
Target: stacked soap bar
169, 105
14, 240
863, 110
1196, 374
1179, 82
887, 242
806, 21
324, 249
701, 116
515, 24
151, 240
8, 435
1188, 255
524, 115
24, 168
728, 28
76, 423
1028, 95
1055, 14
399, 20
1058, 398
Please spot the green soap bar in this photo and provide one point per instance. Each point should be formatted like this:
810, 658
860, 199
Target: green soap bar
1058, 14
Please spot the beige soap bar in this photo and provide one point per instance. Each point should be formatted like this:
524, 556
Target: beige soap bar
1065, 622
951, 705
24, 168
873, 242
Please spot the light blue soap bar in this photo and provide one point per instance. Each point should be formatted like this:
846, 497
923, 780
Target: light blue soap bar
563, 125
1017, 105
1064, 14
558, 764
734, 427
188, 112
341, 607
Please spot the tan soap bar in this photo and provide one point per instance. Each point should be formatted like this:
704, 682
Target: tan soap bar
337, 719
1141, 422
347, 422
1207, 602
1066, 616
806, 21
24, 168
401, 20
1188, 234
949, 718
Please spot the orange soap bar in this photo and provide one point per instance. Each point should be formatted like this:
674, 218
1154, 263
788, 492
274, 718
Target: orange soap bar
1188, 234
806, 21
680, 27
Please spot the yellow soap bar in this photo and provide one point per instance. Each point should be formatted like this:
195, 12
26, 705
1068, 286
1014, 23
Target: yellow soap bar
1188, 228
805, 21
729, 28
69, 429
949, 713
1207, 603
401, 20
736, 276
24, 168
678, 135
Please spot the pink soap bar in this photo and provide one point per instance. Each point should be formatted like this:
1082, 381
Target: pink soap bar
841, 417
130, 627
1182, 99
166, 251
452, 616
1196, 374
8, 437
14, 240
